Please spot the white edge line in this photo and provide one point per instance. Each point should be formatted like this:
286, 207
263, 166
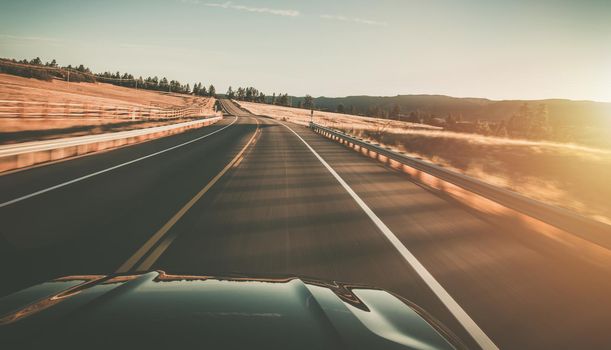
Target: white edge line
13, 201
463, 318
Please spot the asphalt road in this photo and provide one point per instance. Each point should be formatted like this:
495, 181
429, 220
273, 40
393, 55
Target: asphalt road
252, 198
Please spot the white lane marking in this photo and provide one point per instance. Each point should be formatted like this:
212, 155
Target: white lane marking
13, 201
463, 318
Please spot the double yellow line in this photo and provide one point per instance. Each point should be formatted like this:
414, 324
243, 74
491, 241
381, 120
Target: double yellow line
161, 233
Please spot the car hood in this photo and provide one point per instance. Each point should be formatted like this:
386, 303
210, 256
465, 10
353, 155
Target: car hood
159, 310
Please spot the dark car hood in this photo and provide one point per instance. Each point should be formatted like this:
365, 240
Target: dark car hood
178, 311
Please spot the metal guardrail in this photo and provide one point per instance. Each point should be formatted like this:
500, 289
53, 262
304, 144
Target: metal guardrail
586, 228
26, 154
47, 145
41, 109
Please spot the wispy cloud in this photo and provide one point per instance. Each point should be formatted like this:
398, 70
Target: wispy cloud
354, 20
143, 46
29, 38
232, 6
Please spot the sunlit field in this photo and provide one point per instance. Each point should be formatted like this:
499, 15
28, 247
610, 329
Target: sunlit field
32, 109
336, 120
569, 175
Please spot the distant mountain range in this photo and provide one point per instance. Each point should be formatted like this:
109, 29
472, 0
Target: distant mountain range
561, 112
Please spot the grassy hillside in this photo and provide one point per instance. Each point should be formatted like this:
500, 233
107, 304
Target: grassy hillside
33, 109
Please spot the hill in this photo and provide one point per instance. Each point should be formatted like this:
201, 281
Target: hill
561, 112
32, 109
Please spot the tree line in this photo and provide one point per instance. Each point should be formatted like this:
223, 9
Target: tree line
528, 122
251, 94
35, 68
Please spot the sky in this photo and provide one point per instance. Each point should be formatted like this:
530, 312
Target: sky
520, 49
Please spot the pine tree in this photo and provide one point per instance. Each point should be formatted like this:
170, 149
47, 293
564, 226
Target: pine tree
308, 102
37, 61
395, 111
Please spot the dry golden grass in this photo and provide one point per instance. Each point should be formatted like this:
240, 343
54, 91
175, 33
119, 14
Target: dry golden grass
32, 123
24, 89
569, 175
336, 120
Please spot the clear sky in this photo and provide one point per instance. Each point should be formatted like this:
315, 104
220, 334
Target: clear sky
520, 49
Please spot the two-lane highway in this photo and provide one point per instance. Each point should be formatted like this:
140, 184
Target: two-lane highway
86, 215
257, 196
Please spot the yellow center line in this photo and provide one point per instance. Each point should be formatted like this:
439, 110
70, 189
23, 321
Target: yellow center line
237, 164
146, 264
